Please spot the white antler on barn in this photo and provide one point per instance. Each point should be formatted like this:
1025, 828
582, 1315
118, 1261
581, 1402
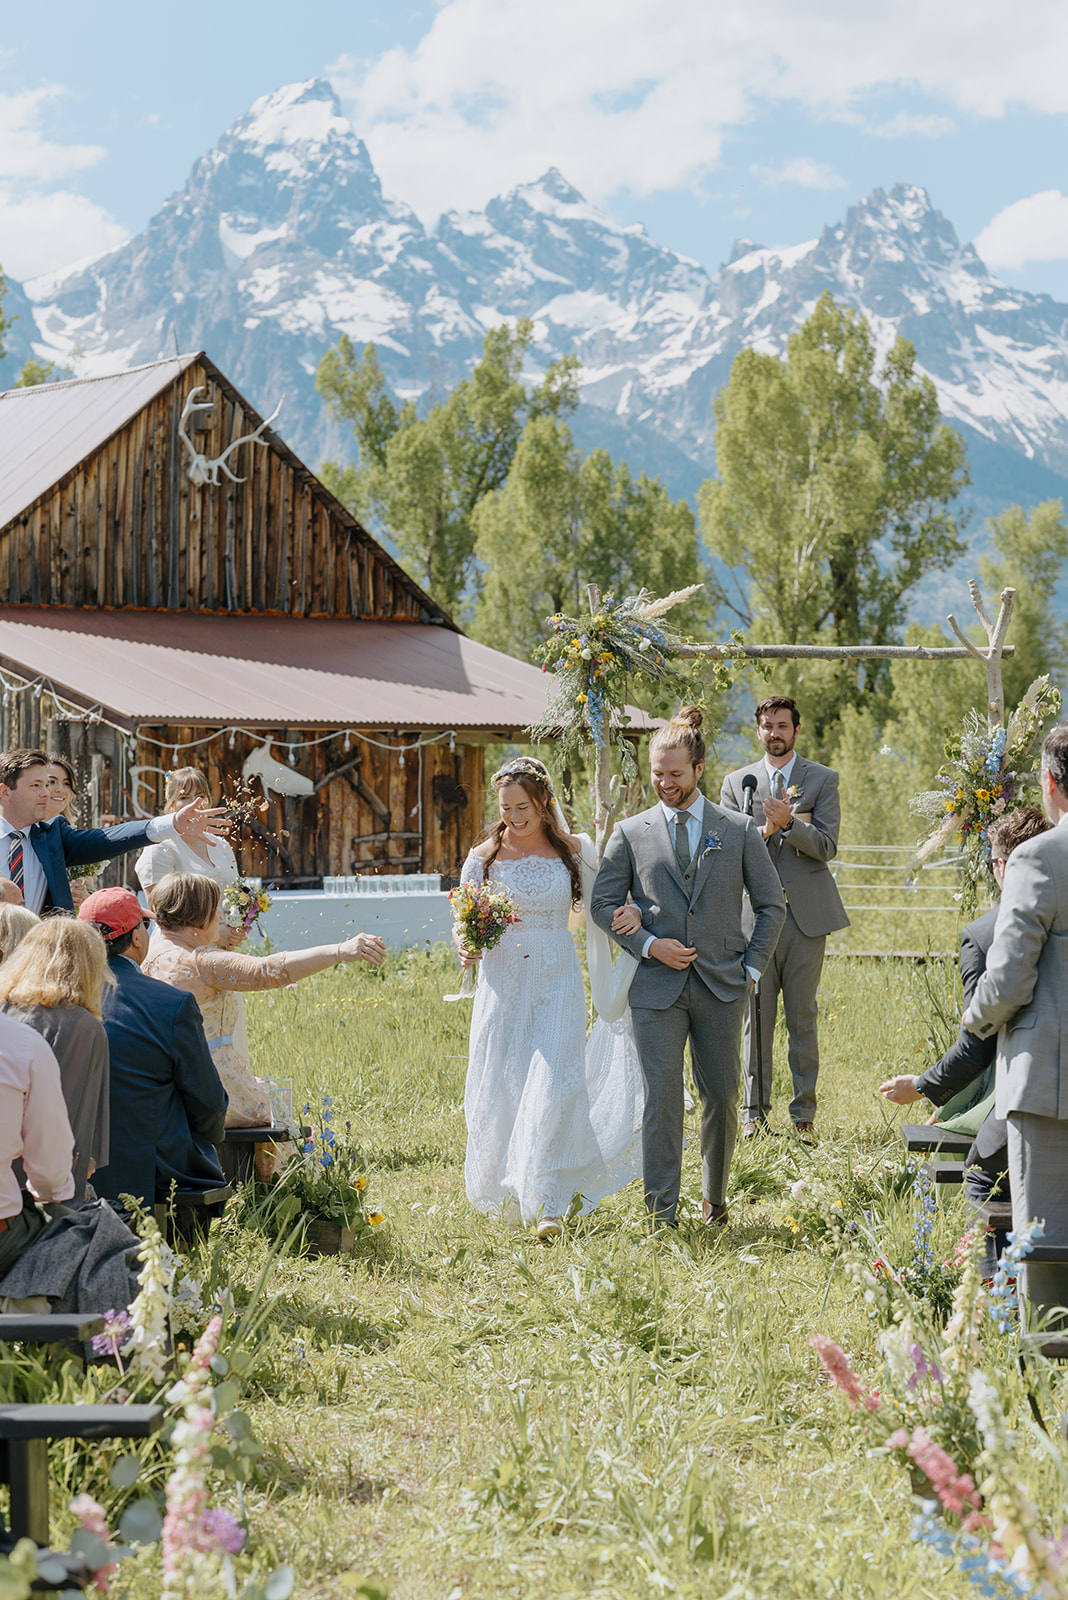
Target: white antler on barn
272, 774
201, 470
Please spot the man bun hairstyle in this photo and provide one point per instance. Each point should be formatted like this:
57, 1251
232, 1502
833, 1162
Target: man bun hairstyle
778, 702
683, 732
1015, 828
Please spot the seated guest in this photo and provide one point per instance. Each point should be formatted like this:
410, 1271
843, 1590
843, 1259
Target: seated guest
970, 1058
187, 908
36, 855
15, 924
55, 982
79, 1260
168, 1107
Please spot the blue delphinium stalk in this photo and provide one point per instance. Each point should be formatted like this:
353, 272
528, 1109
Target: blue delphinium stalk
983, 1570
922, 1253
1004, 1302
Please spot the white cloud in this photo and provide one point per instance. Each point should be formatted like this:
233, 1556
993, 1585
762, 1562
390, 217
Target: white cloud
25, 154
803, 171
42, 232
638, 95
911, 125
43, 228
1032, 229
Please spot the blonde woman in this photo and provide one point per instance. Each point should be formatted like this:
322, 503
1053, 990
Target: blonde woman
186, 906
15, 924
55, 982
212, 858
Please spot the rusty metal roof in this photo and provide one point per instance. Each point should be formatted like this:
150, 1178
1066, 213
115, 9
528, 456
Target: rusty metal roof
46, 430
225, 670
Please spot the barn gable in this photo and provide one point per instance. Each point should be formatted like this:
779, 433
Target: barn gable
97, 507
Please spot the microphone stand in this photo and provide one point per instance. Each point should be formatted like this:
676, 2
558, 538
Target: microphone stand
755, 1030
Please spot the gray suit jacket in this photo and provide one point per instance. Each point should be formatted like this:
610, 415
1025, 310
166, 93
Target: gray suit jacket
732, 857
1024, 990
801, 856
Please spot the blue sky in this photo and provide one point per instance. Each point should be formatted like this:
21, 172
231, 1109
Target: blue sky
706, 120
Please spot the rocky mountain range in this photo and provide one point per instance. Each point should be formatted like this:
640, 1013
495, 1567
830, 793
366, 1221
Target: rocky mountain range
282, 239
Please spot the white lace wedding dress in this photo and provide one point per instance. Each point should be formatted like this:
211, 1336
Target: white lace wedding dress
548, 1117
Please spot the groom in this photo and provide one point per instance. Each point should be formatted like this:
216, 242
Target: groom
685, 863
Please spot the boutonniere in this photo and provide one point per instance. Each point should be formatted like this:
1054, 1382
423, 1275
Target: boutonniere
794, 793
712, 842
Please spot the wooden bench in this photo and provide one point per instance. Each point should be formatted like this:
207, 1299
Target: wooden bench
923, 1137
25, 1434
237, 1152
997, 1214
182, 1218
17, 1327
945, 1171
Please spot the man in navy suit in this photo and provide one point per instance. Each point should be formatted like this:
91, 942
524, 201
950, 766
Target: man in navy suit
35, 858
168, 1106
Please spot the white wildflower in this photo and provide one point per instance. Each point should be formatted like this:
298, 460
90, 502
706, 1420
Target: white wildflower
895, 1346
149, 1313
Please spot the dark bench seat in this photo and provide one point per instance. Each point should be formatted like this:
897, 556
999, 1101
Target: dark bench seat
186, 1215
25, 1432
237, 1153
924, 1137
17, 1327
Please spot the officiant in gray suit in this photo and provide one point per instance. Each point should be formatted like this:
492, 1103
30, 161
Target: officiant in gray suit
686, 864
1023, 998
796, 808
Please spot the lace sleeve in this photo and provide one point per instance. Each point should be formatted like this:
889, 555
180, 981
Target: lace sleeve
227, 969
473, 869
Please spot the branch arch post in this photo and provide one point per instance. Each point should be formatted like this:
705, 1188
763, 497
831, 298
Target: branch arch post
992, 656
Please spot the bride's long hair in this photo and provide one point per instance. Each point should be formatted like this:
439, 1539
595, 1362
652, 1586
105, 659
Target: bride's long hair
539, 791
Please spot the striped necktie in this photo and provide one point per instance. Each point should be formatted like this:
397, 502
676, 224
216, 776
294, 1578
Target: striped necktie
777, 786
15, 860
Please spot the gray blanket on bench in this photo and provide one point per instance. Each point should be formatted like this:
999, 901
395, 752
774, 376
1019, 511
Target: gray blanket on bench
84, 1261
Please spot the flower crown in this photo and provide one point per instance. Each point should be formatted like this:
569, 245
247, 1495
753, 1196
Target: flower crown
529, 767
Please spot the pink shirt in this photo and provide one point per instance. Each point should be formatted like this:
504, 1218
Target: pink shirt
33, 1118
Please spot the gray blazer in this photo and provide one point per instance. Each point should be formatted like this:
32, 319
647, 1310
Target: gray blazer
731, 858
801, 856
1023, 994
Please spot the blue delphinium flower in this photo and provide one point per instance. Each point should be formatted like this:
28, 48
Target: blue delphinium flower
983, 1570
327, 1158
922, 1254
1004, 1301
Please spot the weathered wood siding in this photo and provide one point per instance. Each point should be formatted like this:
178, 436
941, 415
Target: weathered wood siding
382, 813
127, 528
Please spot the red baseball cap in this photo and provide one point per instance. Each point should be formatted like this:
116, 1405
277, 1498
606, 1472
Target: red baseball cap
115, 911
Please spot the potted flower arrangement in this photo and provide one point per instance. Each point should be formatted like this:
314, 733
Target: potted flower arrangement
325, 1183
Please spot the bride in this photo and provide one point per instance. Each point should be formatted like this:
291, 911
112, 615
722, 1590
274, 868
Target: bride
549, 1116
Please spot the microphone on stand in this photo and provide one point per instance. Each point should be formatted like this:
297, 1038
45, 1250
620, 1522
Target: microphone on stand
749, 785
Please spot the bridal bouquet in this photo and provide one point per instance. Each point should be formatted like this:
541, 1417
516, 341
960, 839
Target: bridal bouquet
242, 904
480, 914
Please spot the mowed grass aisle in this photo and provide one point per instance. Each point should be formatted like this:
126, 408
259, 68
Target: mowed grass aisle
471, 1413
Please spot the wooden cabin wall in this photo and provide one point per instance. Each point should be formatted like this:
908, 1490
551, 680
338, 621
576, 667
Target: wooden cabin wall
381, 813
128, 528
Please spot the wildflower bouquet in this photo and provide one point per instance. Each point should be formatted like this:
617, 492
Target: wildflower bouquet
984, 775
242, 905
88, 869
593, 659
480, 914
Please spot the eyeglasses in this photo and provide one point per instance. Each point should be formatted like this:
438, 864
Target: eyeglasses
146, 922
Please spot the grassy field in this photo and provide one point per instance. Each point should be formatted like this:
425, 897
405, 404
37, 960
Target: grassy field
463, 1412
471, 1414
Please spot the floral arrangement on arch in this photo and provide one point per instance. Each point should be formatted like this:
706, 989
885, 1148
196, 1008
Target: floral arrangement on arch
985, 774
593, 660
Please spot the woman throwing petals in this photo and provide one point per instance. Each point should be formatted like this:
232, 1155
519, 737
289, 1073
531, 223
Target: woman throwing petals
547, 1120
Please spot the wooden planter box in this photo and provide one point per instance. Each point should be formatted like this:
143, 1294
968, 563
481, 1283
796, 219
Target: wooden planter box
329, 1238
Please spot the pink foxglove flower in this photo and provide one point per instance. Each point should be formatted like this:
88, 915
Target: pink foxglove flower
836, 1362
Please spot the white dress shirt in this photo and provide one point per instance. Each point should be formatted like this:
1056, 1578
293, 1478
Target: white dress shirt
34, 883
786, 771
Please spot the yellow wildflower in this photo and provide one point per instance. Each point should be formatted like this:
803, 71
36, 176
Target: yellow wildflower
375, 1218
359, 1183
580, 699
983, 796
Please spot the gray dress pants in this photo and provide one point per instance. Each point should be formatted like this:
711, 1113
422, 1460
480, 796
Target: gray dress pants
794, 972
713, 1028
1038, 1173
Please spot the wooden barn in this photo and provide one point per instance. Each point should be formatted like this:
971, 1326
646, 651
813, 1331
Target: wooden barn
171, 596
